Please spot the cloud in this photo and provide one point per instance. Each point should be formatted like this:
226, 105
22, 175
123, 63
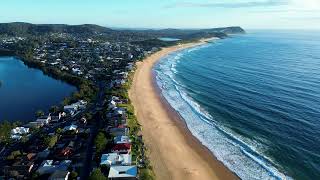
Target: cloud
265, 3
286, 11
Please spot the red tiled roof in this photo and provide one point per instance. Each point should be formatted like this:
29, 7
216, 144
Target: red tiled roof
123, 146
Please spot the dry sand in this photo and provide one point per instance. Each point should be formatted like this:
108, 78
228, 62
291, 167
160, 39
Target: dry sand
173, 151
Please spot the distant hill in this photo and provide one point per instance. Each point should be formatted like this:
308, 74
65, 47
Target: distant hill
20, 28
23, 29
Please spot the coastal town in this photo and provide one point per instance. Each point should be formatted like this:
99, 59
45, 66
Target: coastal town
94, 133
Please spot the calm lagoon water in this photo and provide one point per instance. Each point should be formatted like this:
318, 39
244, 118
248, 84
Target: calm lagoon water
253, 100
25, 90
168, 39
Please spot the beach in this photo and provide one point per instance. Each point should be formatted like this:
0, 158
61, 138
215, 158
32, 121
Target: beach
173, 151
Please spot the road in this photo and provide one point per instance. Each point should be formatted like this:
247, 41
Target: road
87, 162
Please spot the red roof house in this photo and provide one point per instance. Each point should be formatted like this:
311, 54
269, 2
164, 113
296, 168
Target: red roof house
121, 148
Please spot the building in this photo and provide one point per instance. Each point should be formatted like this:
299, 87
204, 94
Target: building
18, 132
123, 148
60, 175
121, 139
115, 159
123, 172
20, 169
44, 119
72, 127
49, 166
119, 131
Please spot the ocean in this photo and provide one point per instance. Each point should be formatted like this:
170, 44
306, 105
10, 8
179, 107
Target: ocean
253, 100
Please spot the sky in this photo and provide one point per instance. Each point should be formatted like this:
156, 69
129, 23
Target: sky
249, 14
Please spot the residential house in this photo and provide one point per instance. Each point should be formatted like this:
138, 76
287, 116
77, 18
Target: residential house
44, 119
123, 148
72, 127
49, 166
115, 159
119, 131
21, 168
123, 172
18, 132
60, 175
121, 139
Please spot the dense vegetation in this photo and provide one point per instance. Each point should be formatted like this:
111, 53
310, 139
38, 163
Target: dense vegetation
89, 30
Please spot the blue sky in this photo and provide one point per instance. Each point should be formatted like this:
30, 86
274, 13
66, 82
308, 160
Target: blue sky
250, 14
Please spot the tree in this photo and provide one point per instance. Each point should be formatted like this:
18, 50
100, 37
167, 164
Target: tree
59, 131
54, 109
50, 141
73, 175
39, 113
14, 154
5, 129
96, 174
100, 142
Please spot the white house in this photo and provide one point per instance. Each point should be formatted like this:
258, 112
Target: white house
17, 132
72, 127
123, 172
20, 130
112, 104
115, 159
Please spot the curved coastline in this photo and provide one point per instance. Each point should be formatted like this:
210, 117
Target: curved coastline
174, 152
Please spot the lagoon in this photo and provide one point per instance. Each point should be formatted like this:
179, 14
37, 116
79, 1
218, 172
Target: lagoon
25, 90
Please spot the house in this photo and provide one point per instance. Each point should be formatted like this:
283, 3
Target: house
18, 132
123, 148
123, 172
43, 154
60, 175
44, 119
119, 131
34, 124
72, 127
71, 109
112, 104
77, 71
119, 82
115, 159
49, 166
21, 168
121, 139
65, 152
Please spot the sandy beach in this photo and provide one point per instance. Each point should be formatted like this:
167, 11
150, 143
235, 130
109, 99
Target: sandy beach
173, 151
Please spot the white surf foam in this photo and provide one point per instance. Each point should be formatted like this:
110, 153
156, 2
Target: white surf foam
240, 155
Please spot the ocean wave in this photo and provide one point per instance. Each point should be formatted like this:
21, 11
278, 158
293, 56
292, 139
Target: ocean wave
241, 155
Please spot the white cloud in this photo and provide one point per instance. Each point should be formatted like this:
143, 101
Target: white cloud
229, 4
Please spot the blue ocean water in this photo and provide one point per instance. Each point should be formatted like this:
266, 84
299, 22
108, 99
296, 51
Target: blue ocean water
24, 91
253, 100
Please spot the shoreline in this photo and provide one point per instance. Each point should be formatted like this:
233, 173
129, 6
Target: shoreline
173, 151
